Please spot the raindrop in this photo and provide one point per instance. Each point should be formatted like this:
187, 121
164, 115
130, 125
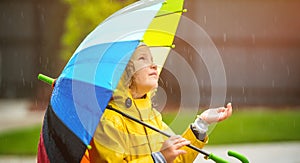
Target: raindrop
288, 70
22, 72
264, 33
224, 37
22, 14
273, 83
43, 18
23, 81
201, 51
3, 15
243, 90
281, 60
191, 57
205, 20
275, 19
9, 21
253, 38
263, 67
171, 90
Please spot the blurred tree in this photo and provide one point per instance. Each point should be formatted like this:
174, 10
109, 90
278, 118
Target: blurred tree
83, 17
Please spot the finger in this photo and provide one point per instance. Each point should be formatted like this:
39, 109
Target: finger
174, 139
179, 140
182, 140
182, 144
222, 117
225, 114
229, 107
179, 152
228, 110
221, 109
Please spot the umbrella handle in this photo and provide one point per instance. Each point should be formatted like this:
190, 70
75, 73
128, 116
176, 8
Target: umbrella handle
216, 158
239, 156
47, 79
236, 155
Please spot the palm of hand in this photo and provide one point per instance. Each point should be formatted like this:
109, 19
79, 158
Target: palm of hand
216, 114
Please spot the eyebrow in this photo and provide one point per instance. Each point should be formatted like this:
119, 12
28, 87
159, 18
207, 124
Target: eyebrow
144, 55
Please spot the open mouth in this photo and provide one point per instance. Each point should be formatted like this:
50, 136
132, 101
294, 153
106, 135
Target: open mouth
153, 74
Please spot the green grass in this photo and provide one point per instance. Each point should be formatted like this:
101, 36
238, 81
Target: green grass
20, 142
258, 126
244, 126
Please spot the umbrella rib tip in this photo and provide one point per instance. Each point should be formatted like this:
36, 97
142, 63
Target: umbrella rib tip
89, 147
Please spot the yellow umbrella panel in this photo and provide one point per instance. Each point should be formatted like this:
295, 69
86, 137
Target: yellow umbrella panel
161, 32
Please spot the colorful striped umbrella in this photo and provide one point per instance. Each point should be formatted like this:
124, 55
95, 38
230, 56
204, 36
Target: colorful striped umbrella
85, 86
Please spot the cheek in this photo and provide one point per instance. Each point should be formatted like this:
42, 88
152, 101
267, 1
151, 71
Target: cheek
139, 78
144, 80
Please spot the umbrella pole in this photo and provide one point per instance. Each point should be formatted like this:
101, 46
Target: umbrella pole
207, 155
153, 128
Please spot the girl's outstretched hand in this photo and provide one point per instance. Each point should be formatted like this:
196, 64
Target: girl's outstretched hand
216, 114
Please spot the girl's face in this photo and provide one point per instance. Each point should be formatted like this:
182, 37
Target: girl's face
146, 77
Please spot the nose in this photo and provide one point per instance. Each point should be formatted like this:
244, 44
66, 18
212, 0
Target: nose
153, 66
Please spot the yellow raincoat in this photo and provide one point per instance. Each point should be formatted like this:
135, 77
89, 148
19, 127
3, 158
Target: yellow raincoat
119, 139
